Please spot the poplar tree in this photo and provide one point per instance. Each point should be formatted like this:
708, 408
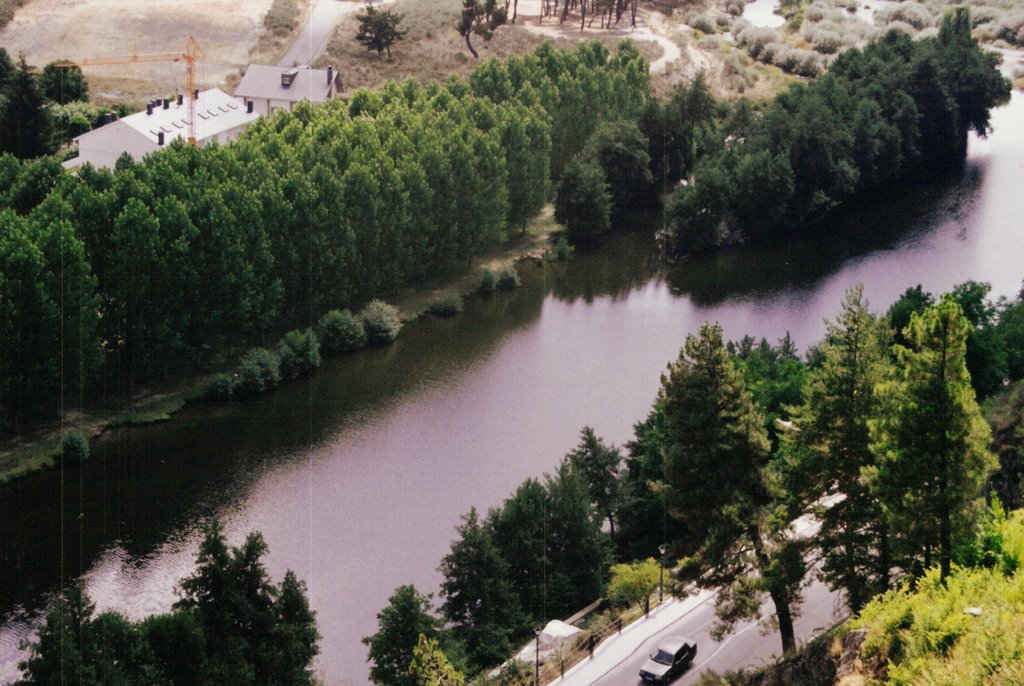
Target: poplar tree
930, 440
833, 445
717, 466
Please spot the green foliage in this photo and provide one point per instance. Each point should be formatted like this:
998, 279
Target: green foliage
298, 353
913, 301
447, 304
599, 464
401, 625
63, 85
583, 204
340, 331
620, 149
832, 446
930, 440
563, 249
1005, 415
258, 371
633, 584
431, 667
381, 322
507, 278
378, 29
488, 282
481, 18
880, 113
25, 128
232, 626
714, 434
218, 386
74, 448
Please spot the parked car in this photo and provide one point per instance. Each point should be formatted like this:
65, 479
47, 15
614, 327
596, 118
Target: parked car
675, 655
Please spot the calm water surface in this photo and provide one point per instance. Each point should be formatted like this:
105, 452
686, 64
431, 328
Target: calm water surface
358, 476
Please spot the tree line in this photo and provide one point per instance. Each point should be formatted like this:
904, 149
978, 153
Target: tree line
876, 432
896, 107
193, 253
231, 625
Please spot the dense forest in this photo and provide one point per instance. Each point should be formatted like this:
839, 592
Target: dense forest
131, 274
896, 107
876, 432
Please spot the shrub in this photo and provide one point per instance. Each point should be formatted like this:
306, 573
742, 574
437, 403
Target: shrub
218, 387
488, 282
563, 250
756, 38
298, 353
381, 322
735, 7
826, 42
508, 278
702, 23
258, 372
447, 304
341, 331
74, 448
908, 12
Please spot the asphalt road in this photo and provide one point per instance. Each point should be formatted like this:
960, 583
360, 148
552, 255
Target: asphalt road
313, 38
745, 646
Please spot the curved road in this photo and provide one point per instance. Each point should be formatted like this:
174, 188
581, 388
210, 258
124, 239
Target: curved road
323, 17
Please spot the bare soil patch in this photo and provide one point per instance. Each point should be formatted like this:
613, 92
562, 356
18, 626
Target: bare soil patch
46, 30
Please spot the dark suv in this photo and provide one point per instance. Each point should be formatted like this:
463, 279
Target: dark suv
675, 655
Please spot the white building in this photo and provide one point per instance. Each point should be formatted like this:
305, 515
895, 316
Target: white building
219, 117
278, 88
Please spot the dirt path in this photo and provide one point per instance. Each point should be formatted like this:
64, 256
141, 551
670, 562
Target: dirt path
47, 30
650, 26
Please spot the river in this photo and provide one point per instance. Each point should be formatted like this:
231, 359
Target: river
358, 475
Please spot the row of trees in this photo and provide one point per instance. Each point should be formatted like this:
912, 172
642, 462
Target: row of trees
232, 626
877, 433
895, 107
193, 253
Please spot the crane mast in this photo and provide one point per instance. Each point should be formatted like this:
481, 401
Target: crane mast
189, 56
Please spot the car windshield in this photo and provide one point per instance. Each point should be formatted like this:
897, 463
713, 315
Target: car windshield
663, 657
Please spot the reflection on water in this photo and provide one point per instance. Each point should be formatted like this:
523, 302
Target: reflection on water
358, 475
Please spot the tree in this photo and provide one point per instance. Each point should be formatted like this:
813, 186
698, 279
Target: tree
378, 29
634, 583
583, 204
599, 465
56, 658
913, 301
478, 598
717, 467
63, 84
26, 125
480, 17
431, 667
833, 446
401, 625
930, 440
620, 149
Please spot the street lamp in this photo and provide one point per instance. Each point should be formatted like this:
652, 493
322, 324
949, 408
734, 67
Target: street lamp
536, 656
661, 573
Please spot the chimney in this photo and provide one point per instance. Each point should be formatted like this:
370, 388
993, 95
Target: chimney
160, 138
149, 108
195, 94
330, 75
181, 99
167, 103
248, 107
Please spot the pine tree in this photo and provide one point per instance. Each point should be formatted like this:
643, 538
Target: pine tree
378, 29
404, 622
26, 125
717, 465
930, 440
833, 445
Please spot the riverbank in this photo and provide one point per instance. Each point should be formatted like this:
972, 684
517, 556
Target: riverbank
40, 447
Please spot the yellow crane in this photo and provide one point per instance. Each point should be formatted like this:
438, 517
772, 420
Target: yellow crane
190, 55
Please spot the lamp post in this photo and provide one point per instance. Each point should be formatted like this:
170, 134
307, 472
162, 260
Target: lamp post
536, 657
661, 573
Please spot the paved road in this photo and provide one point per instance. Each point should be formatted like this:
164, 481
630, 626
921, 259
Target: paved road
324, 16
746, 646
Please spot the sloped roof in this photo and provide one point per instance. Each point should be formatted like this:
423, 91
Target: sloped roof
264, 81
216, 112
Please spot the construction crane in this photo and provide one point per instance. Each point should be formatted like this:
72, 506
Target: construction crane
189, 56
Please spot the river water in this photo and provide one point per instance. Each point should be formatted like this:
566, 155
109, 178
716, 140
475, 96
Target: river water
357, 476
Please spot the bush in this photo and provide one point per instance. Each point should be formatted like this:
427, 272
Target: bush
381, 322
218, 387
488, 282
341, 331
908, 12
447, 304
74, 448
258, 372
508, 278
702, 23
298, 353
562, 250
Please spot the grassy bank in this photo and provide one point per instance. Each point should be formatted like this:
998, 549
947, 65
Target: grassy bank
40, 448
